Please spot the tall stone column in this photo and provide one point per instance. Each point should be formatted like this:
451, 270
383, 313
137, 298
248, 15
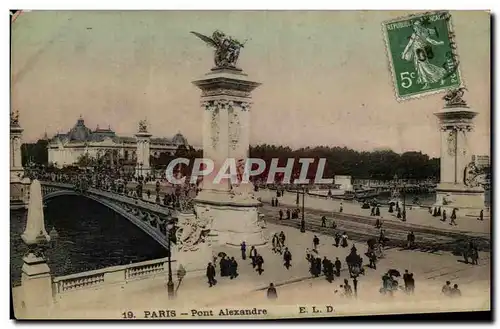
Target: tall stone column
143, 138
16, 132
229, 207
457, 187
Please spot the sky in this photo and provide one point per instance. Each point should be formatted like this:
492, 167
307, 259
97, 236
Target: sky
325, 76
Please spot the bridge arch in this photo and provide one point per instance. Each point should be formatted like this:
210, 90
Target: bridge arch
136, 219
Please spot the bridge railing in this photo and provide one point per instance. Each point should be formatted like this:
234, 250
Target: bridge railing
110, 275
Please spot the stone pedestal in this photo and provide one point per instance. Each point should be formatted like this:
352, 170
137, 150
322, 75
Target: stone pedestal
36, 283
454, 190
229, 204
195, 254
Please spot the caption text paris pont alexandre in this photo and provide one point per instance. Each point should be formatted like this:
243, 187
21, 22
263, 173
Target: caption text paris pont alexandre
165, 313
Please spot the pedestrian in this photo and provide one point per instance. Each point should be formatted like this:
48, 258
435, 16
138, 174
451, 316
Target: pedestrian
373, 260
149, 194
211, 275
344, 240
281, 214
411, 284
381, 238
243, 248
323, 221
276, 203
474, 255
288, 214
324, 264
287, 257
223, 266
315, 243
453, 217
446, 290
372, 213
341, 209
377, 211
282, 238
337, 239
271, 292
233, 265
347, 288
406, 278
317, 267
455, 292
410, 240
338, 265
334, 225
260, 261
443, 219
481, 215
253, 256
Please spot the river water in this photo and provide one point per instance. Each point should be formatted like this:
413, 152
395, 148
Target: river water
91, 236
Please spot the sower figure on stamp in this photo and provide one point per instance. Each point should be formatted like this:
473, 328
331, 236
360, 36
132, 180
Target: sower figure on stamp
419, 50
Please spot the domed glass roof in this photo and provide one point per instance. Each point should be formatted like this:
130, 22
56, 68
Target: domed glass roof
79, 132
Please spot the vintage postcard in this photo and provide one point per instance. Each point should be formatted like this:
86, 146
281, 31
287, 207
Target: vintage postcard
249, 165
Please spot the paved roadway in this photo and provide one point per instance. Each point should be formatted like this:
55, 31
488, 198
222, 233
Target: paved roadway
362, 228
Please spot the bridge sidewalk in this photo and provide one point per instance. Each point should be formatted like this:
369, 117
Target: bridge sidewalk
415, 216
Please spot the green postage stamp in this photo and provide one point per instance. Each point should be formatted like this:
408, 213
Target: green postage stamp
422, 54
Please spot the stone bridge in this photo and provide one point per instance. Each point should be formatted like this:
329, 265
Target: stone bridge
149, 217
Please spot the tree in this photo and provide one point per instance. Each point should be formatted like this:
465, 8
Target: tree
36, 153
85, 160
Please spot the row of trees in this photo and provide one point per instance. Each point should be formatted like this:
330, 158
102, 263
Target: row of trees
382, 164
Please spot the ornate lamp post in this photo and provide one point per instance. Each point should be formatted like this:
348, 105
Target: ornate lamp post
354, 263
170, 283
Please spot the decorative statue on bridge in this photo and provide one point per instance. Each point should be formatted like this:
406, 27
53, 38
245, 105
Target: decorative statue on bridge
227, 49
143, 126
454, 97
471, 172
14, 118
192, 232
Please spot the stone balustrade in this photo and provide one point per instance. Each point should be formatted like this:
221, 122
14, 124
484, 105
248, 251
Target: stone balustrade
111, 275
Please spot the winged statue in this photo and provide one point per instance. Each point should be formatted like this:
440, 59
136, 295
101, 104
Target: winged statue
454, 97
143, 126
227, 49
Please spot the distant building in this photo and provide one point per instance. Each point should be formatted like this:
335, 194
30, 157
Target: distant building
66, 149
481, 161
